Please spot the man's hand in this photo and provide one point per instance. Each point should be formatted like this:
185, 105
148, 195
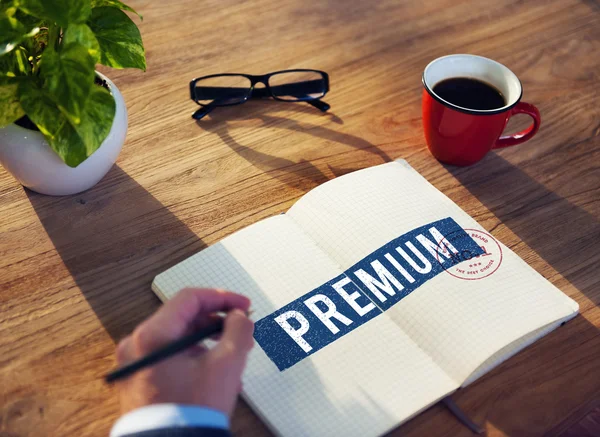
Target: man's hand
198, 376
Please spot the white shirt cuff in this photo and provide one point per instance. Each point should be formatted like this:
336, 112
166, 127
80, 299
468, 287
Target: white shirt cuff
168, 416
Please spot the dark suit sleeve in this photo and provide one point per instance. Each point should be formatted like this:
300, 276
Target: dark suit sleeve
182, 432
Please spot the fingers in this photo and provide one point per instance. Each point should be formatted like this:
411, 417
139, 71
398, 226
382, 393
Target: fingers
230, 354
125, 352
177, 316
236, 339
184, 308
204, 320
196, 351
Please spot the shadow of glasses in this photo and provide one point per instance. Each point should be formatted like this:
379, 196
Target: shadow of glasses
301, 174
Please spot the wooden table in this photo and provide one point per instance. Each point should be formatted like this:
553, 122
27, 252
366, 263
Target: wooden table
76, 271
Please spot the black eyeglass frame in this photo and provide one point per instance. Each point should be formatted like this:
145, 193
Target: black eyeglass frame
260, 92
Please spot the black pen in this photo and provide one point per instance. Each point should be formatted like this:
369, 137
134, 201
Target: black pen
166, 351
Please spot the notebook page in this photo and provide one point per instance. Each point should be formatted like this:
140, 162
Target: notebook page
510, 350
460, 323
363, 384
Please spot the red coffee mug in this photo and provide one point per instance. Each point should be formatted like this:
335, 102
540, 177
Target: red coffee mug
462, 136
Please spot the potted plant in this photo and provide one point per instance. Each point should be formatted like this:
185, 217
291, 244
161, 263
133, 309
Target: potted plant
62, 124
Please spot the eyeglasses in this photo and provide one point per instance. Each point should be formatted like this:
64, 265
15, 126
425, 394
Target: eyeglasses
233, 89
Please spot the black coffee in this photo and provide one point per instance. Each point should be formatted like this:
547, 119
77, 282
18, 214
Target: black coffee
469, 93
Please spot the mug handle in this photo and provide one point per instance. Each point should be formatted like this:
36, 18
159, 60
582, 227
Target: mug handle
524, 135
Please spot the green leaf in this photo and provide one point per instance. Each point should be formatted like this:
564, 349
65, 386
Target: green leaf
12, 32
8, 7
10, 107
29, 21
97, 119
119, 38
62, 12
115, 4
42, 110
83, 35
15, 64
69, 75
72, 144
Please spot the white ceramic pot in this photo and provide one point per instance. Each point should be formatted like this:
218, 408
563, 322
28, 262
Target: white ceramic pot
28, 157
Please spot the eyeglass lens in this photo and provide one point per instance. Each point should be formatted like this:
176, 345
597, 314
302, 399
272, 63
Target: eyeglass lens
298, 85
222, 90
290, 86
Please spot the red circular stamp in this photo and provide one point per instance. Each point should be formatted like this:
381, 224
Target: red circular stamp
465, 264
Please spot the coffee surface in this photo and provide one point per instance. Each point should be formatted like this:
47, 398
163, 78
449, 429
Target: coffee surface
469, 93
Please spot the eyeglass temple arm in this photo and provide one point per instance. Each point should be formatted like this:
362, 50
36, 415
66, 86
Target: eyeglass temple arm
202, 112
319, 104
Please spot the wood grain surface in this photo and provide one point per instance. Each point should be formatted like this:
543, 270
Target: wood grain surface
75, 272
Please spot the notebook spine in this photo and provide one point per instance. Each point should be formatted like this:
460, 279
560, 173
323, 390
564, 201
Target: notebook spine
461, 416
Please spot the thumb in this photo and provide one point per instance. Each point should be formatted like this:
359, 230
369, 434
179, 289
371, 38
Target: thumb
236, 339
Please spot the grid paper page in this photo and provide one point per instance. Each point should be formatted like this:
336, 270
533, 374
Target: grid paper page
510, 350
459, 323
363, 384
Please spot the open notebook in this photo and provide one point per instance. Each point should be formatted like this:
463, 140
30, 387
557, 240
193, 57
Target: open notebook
364, 308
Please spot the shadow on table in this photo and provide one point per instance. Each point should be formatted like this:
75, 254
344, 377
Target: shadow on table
113, 239
301, 175
563, 234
